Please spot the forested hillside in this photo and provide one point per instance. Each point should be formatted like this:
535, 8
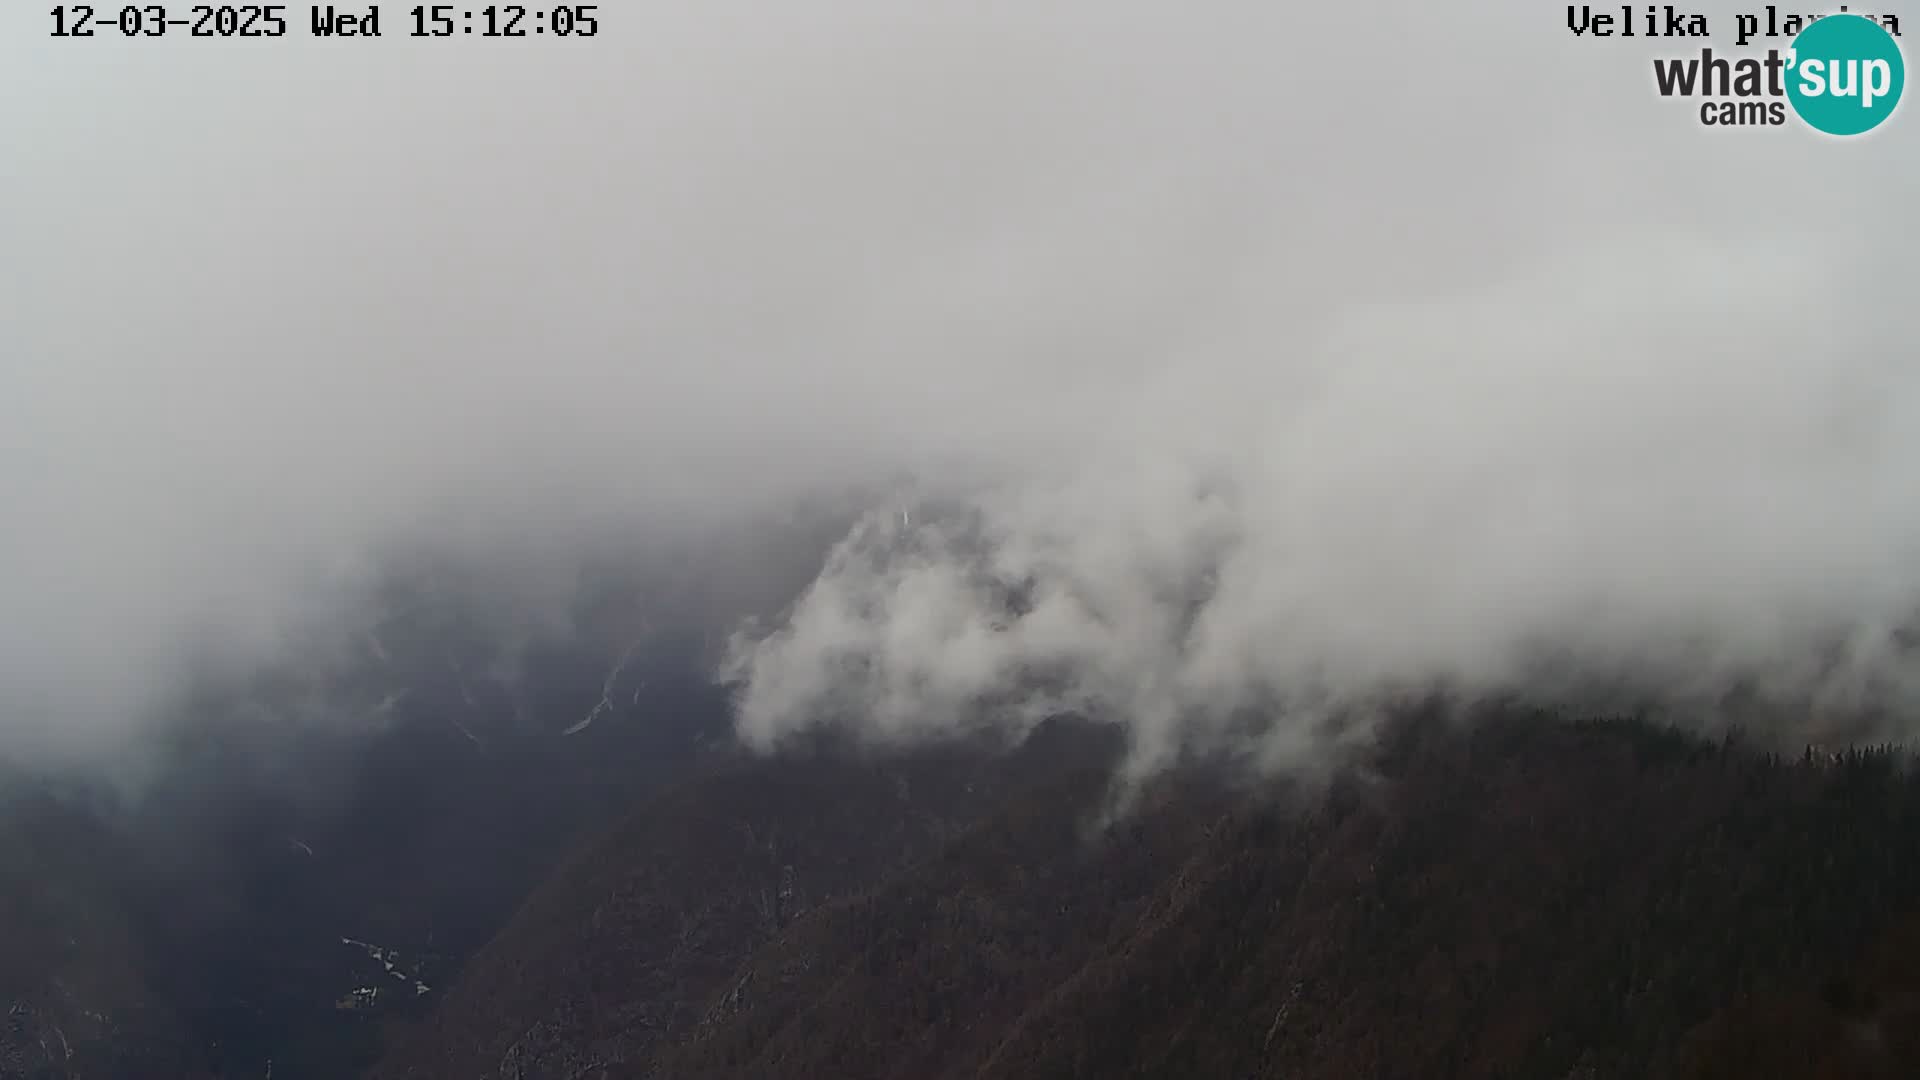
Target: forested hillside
1527, 897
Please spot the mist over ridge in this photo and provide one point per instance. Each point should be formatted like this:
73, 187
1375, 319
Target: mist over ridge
1262, 373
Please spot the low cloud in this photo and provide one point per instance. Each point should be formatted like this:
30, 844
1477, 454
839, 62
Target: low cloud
1616, 473
1231, 358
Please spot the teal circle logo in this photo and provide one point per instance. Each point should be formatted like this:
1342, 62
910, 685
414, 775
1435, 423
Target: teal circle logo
1845, 74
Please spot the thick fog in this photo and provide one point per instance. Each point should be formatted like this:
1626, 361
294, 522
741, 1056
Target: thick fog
1213, 358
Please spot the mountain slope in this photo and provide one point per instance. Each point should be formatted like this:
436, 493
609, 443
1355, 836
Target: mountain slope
618, 953
1527, 899
74, 998
307, 851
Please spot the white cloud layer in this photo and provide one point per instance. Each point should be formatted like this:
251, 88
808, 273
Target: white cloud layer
1268, 355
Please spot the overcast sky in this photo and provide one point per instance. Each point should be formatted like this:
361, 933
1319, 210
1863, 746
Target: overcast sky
1286, 354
